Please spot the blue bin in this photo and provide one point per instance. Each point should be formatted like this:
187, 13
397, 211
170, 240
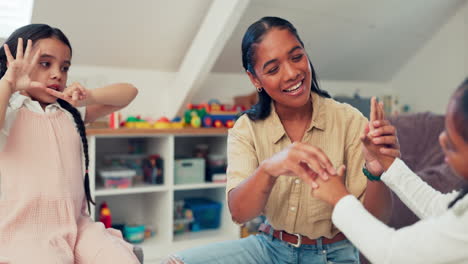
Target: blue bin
206, 213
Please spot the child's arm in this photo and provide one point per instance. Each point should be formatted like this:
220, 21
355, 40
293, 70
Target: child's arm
16, 77
100, 101
108, 99
5, 93
421, 198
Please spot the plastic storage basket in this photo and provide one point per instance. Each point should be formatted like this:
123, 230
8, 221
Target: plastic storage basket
206, 213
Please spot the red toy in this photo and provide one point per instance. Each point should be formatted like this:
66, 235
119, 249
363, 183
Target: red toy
105, 215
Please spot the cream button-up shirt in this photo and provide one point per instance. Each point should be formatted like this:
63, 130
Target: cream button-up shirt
335, 128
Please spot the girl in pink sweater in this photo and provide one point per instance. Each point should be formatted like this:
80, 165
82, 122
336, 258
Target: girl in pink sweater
44, 198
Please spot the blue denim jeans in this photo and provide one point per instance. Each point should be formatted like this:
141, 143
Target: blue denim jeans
264, 248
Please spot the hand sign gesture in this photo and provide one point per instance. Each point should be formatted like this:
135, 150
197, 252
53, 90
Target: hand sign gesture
380, 142
19, 68
75, 94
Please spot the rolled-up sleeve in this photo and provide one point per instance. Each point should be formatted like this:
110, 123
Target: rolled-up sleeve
356, 181
241, 156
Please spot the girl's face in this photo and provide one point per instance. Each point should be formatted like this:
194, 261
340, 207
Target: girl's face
282, 69
453, 144
52, 69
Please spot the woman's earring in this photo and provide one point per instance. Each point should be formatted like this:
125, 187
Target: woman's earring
259, 89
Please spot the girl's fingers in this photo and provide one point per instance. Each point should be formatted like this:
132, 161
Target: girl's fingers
75, 95
56, 94
27, 52
39, 85
34, 60
19, 49
10, 57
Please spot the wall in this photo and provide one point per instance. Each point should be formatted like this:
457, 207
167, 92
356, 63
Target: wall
224, 87
425, 82
433, 73
154, 86
155, 93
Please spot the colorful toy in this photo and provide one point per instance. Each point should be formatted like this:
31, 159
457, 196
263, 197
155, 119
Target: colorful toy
218, 124
136, 122
162, 123
212, 114
229, 123
195, 120
114, 120
105, 215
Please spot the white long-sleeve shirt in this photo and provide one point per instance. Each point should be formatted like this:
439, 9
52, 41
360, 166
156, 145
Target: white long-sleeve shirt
441, 236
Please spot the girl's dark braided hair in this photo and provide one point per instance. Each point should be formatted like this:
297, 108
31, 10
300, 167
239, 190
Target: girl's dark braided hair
80, 126
35, 32
461, 124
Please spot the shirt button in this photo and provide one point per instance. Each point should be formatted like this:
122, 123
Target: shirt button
297, 181
293, 208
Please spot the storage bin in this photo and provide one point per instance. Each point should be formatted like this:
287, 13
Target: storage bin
117, 177
206, 213
134, 234
189, 171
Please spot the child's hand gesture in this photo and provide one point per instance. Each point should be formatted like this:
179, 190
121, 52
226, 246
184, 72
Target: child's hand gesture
19, 68
75, 94
332, 190
380, 141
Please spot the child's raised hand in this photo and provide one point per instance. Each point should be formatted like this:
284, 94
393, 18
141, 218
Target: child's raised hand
380, 141
19, 68
332, 190
75, 94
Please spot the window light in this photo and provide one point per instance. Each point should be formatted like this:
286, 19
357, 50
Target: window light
14, 14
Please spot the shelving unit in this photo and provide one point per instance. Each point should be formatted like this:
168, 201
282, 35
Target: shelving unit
153, 204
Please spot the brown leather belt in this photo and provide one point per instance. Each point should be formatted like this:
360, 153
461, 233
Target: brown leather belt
297, 240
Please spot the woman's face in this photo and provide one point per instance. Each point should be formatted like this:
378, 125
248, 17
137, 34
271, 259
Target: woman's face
282, 69
454, 146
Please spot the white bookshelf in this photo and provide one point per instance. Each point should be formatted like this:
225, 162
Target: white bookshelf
153, 204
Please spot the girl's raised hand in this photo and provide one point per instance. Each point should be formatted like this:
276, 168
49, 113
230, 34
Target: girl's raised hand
75, 94
300, 159
19, 68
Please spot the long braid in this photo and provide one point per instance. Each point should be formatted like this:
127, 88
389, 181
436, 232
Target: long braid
82, 131
463, 192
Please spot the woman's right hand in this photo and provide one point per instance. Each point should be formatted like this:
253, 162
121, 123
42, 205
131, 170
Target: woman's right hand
300, 159
19, 69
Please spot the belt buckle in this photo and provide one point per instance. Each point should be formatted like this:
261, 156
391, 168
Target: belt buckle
299, 240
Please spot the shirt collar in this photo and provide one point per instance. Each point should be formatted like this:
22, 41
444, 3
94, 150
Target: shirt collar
18, 100
317, 120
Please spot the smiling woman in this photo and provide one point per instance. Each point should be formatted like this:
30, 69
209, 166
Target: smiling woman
278, 149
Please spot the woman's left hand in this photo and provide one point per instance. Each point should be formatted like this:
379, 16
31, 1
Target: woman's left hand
380, 141
333, 189
75, 94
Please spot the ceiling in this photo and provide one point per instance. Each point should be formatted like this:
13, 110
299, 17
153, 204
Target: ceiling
364, 40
